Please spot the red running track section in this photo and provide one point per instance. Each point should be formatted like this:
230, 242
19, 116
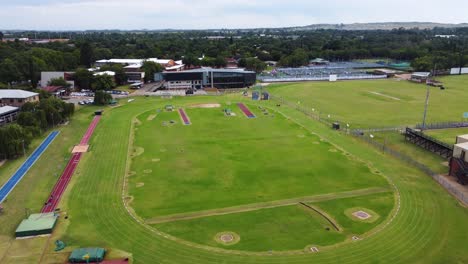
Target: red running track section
90, 130
246, 110
67, 174
184, 116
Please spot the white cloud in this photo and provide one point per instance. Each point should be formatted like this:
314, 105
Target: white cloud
199, 14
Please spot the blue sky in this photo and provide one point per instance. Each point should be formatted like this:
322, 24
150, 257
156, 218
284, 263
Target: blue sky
202, 14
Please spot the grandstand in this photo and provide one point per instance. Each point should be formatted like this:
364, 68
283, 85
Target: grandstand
428, 143
343, 71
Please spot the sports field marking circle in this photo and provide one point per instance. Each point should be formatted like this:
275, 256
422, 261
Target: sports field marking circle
362, 214
227, 238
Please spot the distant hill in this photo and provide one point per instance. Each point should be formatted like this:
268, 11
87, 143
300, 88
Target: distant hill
382, 26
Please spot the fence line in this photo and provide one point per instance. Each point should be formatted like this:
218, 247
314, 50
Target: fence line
307, 111
443, 125
381, 129
449, 186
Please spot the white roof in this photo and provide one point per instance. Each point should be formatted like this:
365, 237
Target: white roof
422, 74
8, 93
135, 61
160, 61
121, 61
463, 146
133, 66
175, 67
110, 73
7, 109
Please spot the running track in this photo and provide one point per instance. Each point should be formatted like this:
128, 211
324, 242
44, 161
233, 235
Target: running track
246, 110
19, 174
184, 117
67, 174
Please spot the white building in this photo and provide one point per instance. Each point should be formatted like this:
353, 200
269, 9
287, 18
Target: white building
133, 64
47, 76
8, 114
17, 98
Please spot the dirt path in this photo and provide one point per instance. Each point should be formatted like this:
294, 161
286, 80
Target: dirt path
264, 205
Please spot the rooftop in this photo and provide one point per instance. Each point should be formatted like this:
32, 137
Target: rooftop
209, 69
421, 74
7, 93
37, 222
137, 61
7, 109
175, 67
110, 73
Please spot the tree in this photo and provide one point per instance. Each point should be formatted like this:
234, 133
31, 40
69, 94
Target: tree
297, 59
120, 76
13, 140
423, 64
103, 82
42, 94
27, 119
102, 98
103, 53
150, 68
59, 82
1, 35
220, 62
9, 72
29, 67
83, 78
191, 60
252, 64
86, 54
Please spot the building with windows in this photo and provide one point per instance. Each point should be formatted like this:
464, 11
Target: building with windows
17, 97
133, 67
8, 114
46, 77
208, 77
420, 77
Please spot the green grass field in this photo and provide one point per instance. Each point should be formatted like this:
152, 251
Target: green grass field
379, 103
396, 141
284, 228
222, 162
449, 135
426, 225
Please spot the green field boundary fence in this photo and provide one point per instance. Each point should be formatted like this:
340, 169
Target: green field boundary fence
380, 129
450, 186
443, 125
308, 111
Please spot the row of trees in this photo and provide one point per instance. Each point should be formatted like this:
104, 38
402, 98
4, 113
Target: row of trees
21, 62
33, 119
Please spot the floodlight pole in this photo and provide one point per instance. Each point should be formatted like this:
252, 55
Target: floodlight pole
425, 107
428, 93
